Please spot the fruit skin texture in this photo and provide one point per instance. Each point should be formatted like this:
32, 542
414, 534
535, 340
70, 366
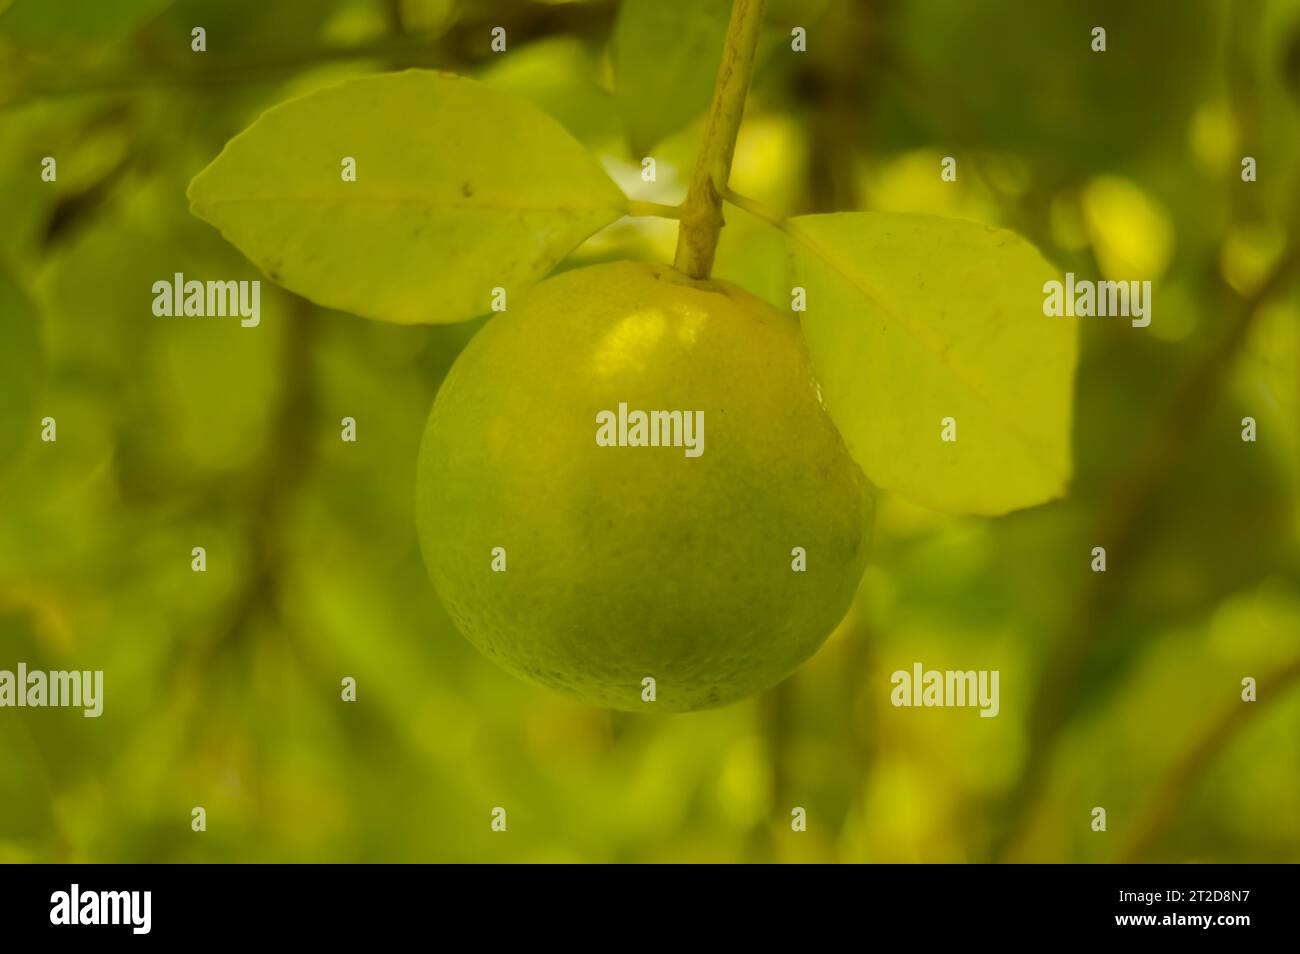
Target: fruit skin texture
627, 562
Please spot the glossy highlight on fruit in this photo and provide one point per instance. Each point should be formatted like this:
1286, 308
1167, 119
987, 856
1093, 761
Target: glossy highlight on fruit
590, 565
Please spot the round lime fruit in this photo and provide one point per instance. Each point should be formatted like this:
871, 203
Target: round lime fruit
630, 476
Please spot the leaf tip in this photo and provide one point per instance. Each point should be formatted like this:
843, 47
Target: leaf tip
193, 194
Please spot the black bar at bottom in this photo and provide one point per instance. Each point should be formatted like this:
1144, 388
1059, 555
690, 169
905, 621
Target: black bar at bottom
334, 904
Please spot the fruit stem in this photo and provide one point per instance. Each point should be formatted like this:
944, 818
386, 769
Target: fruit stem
701, 213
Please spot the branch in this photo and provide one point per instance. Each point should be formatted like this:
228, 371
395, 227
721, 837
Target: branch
1136, 493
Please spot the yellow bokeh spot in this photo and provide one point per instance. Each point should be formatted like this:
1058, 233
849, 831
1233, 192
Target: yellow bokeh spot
912, 183
1213, 137
901, 808
769, 160
1248, 252
744, 784
1131, 234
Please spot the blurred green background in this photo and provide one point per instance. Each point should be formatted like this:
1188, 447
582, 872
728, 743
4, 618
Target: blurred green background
1119, 690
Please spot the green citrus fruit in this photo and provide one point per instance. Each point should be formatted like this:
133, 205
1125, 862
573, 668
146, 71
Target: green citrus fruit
577, 558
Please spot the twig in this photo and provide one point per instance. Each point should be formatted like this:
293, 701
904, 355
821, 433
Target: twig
1178, 784
701, 213
638, 207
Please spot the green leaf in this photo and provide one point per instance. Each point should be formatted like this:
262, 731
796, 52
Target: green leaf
460, 188
666, 55
21, 371
756, 257
912, 319
557, 76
